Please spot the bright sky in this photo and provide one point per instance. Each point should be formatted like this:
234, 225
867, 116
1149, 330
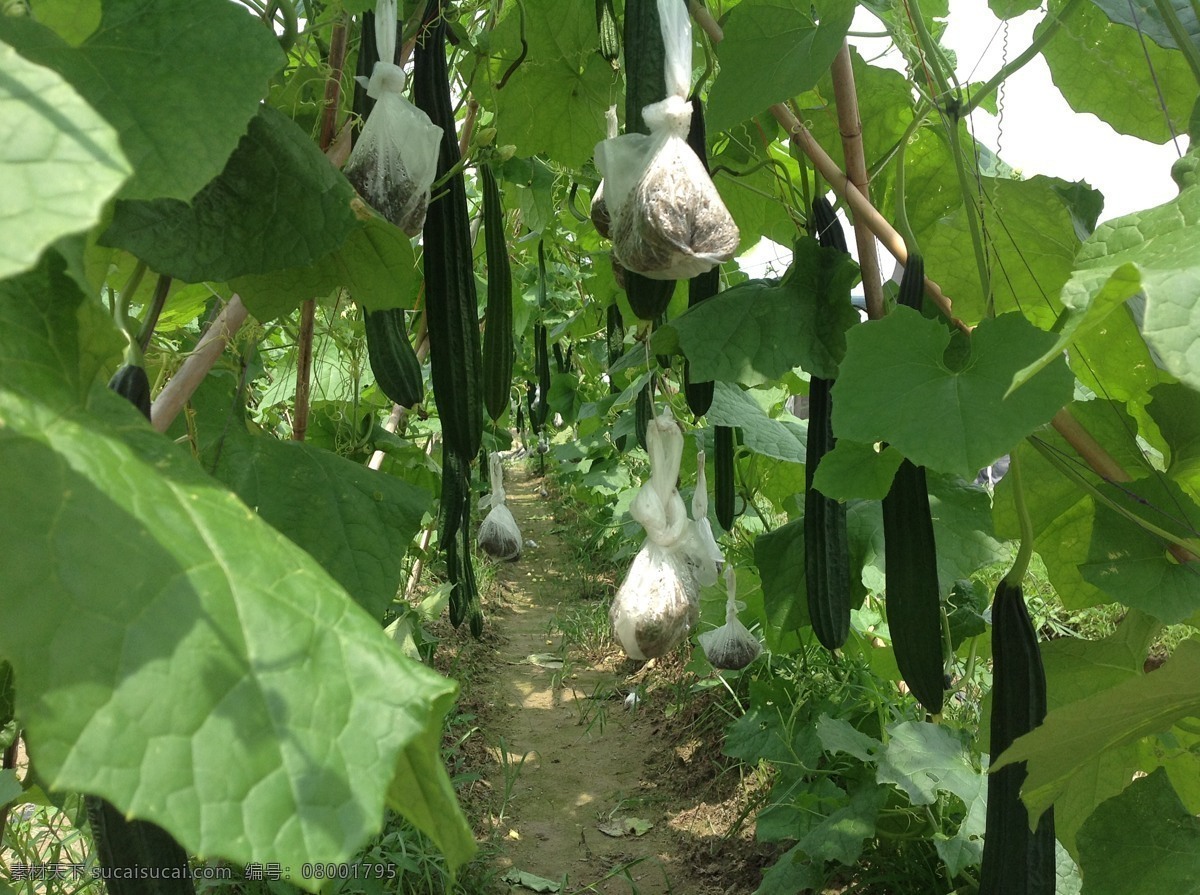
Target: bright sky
1038, 132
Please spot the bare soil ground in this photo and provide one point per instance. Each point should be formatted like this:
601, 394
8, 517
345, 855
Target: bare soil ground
575, 786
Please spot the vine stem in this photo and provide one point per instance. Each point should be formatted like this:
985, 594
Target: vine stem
850, 127
951, 116
862, 208
161, 288
308, 310
181, 386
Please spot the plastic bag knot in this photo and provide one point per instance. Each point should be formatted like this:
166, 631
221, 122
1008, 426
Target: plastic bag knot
386, 78
672, 115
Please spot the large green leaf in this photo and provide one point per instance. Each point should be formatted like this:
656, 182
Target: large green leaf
376, 263
923, 758
1166, 857
59, 161
1132, 564
736, 336
1175, 409
554, 101
779, 555
1154, 252
884, 105
1076, 669
278, 203
176, 654
897, 377
354, 521
1088, 42
1074, 736
855, 470
177, 79
1032, 241
773, 50
784, 438
839, 837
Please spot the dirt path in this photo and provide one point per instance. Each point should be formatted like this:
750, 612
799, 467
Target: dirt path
570, 756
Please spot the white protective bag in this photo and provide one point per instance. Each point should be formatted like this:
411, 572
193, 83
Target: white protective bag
599, 209
499, 537
731, 646
657, 603
395, 159
668, 221
704, 556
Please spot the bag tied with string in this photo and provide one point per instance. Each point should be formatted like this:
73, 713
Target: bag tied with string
395, 158
499, 536
657, 603
731, 646
668, 221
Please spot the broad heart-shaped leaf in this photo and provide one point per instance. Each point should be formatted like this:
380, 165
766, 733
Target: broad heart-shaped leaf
151, 69
553, 103
894, 380
1072, 737
354, 521
278, 203
785, 438
1076, 669
1131, 564
1162, 856
1030, 255
1175, 409
59, 161
1007, 9
839, 837
757, 331
1088, 42
856, 470
773, 50
1155, 252
176, 654
923, 758
962, 528
779, 555
376, 263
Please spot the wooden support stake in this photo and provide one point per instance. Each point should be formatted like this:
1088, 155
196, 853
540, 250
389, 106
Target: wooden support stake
850, 126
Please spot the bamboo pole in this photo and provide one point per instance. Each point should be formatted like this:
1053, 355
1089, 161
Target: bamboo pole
860, 206
179, 389
850, 126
